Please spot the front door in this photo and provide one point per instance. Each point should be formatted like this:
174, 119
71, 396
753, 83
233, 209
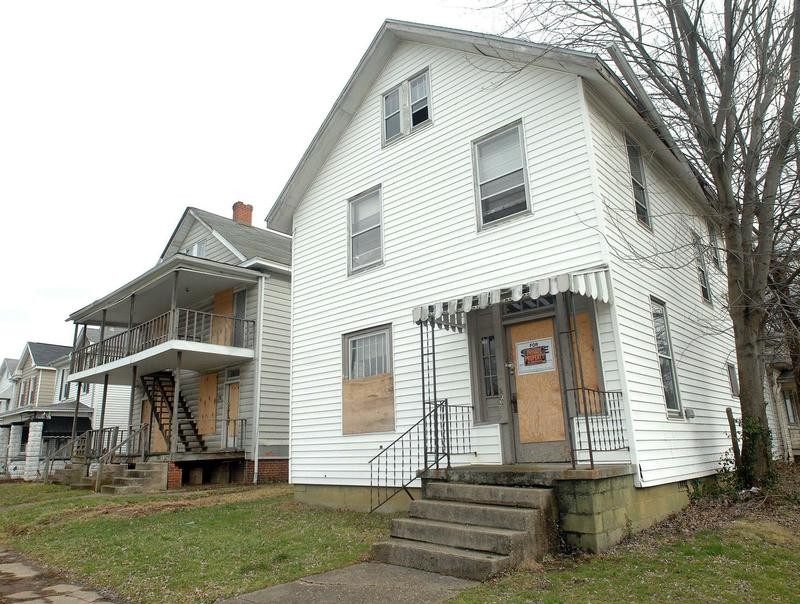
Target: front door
537, 407
233, 413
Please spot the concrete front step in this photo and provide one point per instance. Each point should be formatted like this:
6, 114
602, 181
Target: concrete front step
478, 538
536, 498
138, 473
441, 559
109, 489
518, 519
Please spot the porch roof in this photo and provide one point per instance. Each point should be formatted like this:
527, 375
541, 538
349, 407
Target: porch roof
29, 412
593, 283
200, 278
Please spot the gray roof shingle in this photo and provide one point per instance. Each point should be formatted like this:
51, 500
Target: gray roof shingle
251, 241
43, 355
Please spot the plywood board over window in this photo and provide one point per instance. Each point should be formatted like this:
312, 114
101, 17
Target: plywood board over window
207, 411
222, 324
368, 382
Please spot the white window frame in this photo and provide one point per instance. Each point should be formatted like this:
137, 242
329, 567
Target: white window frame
352, 270
789, 406
713, 244
197, 249
733, 379
671, 413
362, 334
702, 268
477, 178
630, 142
404, 107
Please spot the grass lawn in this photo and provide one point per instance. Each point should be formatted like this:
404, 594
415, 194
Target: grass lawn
187, 547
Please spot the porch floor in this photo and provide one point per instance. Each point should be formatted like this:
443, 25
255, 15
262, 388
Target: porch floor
528, 474
197, 456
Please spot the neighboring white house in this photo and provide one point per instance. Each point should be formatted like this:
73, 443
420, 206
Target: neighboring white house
7, 368
495, 196
210, 322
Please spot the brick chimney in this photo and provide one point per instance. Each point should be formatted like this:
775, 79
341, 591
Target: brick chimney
243, 213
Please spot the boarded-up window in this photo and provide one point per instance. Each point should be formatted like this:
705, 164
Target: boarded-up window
207, 421
222, 325
368, 383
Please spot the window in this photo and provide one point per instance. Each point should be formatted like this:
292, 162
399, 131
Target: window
67, 386
197, 249
636, 168
86, 387
406, 107
713, 243
489, 367
702, 273
669, 379
500, 170
367, 382
239, 334
733, 378
366, 245
789, 403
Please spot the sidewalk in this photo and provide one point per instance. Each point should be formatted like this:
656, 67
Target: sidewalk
364, 583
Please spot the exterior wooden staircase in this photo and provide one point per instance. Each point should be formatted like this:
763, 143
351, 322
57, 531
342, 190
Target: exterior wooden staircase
473, 531
160, 390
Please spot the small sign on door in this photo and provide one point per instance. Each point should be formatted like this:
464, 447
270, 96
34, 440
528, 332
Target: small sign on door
535, 356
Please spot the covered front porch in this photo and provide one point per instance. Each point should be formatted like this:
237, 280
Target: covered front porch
542, 367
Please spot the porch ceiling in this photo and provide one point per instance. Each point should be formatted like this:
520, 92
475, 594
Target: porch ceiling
196, 357
592, 283
198, 280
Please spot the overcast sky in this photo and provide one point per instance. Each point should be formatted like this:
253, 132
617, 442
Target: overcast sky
116, 116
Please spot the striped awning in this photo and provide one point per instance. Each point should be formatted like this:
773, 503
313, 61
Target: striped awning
592, 284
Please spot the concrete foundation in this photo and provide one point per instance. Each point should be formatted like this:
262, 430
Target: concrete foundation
5, 434
15, 441
350, 497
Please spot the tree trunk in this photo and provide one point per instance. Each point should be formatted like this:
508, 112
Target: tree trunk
756, 467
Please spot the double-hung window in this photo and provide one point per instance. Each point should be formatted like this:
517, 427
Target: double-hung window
713, 243
789, 403
501, 187
733, 378
367, 384
702, 271
636, 168
366, 231
197, 249
666, 362
406, 107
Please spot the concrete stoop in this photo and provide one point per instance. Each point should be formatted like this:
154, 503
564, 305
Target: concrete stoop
146, 477
472, 531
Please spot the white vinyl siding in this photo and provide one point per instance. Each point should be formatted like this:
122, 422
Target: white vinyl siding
275, 342
432, 249
212, 248
660, 263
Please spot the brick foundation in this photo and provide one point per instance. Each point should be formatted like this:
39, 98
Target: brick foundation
174, 477
269, 470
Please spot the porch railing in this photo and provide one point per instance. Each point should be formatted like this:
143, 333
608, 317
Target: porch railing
94, 443
135, 439
63, 452
232, 434
181, 324
444, 430
597, 421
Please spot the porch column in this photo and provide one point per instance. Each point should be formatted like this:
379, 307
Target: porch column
15, 440
102, 347
173, 305
130, 326
72, 352
566, 359
103, 404
75, 415
173, 444
5, 438
33, 450
130, 405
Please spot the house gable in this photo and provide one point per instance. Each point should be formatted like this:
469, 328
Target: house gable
192, 230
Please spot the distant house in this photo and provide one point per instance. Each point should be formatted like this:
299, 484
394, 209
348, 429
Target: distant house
7, 368
783, 404
203, 338
502, 276
36, 422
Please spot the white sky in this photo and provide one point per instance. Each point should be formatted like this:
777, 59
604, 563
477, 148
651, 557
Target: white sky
115, 116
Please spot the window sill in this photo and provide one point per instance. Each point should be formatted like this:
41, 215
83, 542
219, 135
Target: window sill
367, 269
406, 135
505, 220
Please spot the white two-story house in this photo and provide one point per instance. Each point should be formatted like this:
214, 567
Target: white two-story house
498, 262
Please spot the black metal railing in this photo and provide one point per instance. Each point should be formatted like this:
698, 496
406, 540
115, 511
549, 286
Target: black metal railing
181, 324
443, 430
598, 421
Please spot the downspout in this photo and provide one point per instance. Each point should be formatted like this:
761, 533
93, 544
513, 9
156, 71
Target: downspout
257, 374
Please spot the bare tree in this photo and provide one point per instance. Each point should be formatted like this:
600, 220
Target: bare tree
722, 77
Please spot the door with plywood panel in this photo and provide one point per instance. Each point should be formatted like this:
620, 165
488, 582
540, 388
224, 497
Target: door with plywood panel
540, 432
233, 412
222, 324
207, 404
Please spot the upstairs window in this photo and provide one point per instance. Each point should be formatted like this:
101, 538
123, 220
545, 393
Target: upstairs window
669, 379
702, 271
713, 243
733, 378
502, 188
789, 403
636, 168
366, 237
197, 249
406, 107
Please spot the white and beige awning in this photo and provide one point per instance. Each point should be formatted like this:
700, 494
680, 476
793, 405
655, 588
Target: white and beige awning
593, 284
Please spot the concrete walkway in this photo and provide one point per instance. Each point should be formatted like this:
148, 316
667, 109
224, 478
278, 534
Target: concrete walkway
21, 581
364, 583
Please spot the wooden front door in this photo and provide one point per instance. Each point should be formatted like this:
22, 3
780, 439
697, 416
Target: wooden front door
537, 400
233, 411
222, 326
207, 411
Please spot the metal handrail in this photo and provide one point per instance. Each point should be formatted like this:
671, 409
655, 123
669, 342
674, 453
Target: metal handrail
599, 421
109, 455
50, 458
